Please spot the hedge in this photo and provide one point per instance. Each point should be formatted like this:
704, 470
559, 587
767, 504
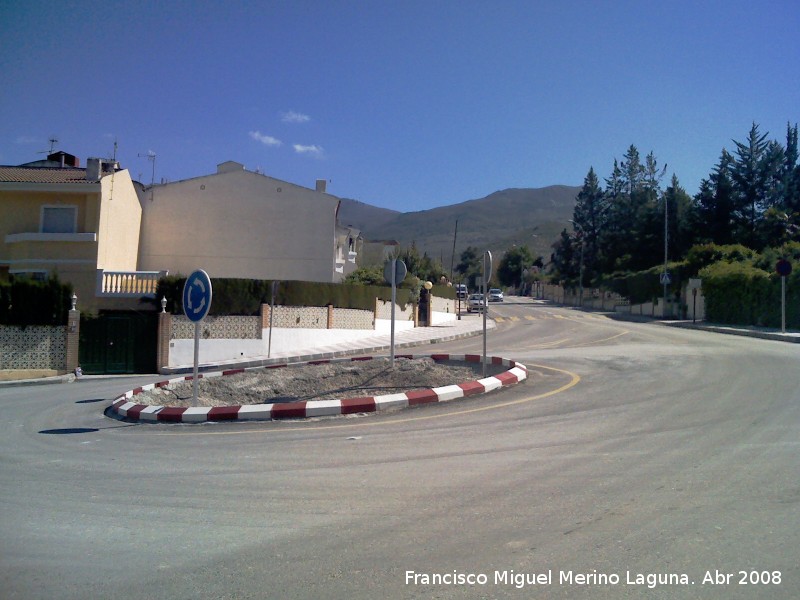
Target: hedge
742, 294
245, 296
26, 302
645, 286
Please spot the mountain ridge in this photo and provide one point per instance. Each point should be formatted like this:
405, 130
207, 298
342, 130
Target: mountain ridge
529, 216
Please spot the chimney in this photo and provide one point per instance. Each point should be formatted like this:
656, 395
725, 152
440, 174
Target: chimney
94, 168
66, 160
322, 185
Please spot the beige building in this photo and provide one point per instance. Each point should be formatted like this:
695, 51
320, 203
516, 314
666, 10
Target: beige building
79, 223
238, 223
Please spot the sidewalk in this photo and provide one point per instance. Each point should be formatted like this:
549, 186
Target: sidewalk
765, 333
468, 326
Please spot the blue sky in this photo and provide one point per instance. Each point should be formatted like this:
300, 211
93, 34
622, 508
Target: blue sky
405, 105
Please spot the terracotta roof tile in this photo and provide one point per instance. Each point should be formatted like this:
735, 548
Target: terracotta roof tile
42, 175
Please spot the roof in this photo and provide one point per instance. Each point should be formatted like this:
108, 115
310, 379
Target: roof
42, 175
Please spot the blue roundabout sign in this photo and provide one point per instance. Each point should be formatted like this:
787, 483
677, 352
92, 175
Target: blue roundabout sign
197, 296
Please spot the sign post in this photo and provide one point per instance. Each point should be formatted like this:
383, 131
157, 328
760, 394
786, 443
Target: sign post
196, 304
784, 269
271, 314
487, 275
394, 272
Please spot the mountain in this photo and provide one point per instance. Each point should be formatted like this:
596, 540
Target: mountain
364, 216
530, 216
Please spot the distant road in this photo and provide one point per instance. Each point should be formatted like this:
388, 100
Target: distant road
637, 456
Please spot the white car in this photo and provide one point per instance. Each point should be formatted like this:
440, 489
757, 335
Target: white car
495, 295
475, 302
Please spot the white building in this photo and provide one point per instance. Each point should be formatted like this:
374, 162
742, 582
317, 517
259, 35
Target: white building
241, 224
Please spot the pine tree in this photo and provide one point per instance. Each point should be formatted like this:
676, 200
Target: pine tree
715, 203
590, 217
750, 185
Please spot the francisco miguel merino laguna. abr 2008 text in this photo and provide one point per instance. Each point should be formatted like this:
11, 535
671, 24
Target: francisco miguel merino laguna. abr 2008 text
521, 580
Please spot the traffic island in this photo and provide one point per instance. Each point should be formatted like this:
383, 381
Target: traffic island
507, 372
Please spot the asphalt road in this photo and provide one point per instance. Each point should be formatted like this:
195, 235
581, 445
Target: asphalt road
635, 454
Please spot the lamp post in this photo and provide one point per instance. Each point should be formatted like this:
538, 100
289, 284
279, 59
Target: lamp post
665, 275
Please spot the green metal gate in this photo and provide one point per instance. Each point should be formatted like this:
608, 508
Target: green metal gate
118, 342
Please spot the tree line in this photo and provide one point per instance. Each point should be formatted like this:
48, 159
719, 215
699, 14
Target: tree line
751, 197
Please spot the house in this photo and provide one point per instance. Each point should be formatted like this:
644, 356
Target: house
239, 223
112, 238
79, 223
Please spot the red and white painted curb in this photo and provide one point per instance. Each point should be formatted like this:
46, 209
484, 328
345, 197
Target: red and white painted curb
125, 407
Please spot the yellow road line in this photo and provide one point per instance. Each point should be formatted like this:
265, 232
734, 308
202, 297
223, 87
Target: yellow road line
548, 344
603, 340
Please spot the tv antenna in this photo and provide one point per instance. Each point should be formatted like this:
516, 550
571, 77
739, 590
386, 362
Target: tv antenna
151, 156
53, 141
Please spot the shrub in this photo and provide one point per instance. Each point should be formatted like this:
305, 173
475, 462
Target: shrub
704, 255
741, 294
27, 302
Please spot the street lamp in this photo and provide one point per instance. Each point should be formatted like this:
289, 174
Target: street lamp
665, 275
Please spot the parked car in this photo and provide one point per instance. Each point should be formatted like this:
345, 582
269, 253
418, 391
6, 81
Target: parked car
461, 291
475, 303
495, 295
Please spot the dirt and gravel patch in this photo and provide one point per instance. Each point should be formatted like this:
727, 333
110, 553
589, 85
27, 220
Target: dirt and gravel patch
347, 379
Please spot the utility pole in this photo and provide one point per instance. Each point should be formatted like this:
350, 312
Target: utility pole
453, 258
665, 275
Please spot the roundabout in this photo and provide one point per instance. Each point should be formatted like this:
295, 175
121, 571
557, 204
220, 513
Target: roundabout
128, 406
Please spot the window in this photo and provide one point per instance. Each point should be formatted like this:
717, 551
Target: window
32, 275
59, 219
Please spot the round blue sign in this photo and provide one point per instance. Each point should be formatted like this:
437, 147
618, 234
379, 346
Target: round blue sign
197, 296
784, 267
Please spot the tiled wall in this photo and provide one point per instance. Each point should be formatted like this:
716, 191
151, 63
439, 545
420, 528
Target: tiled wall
350, 318
299, 317
383, 310
285, 317
237, 328
34, 347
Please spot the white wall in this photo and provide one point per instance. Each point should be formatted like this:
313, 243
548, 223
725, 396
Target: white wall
237, 223
284, 342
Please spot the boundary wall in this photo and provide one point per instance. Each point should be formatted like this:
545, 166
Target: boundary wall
41, 347
295, 329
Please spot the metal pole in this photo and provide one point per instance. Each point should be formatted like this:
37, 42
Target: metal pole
485, 310
271, 313
583, 243
783, 304
453, 258
666, 254
394, 298
196, 361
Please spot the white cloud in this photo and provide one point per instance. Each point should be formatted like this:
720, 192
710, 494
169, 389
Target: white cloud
26, 139
315, 151
267, 140
294, 117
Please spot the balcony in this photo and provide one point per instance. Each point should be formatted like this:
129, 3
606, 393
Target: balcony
128, 284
